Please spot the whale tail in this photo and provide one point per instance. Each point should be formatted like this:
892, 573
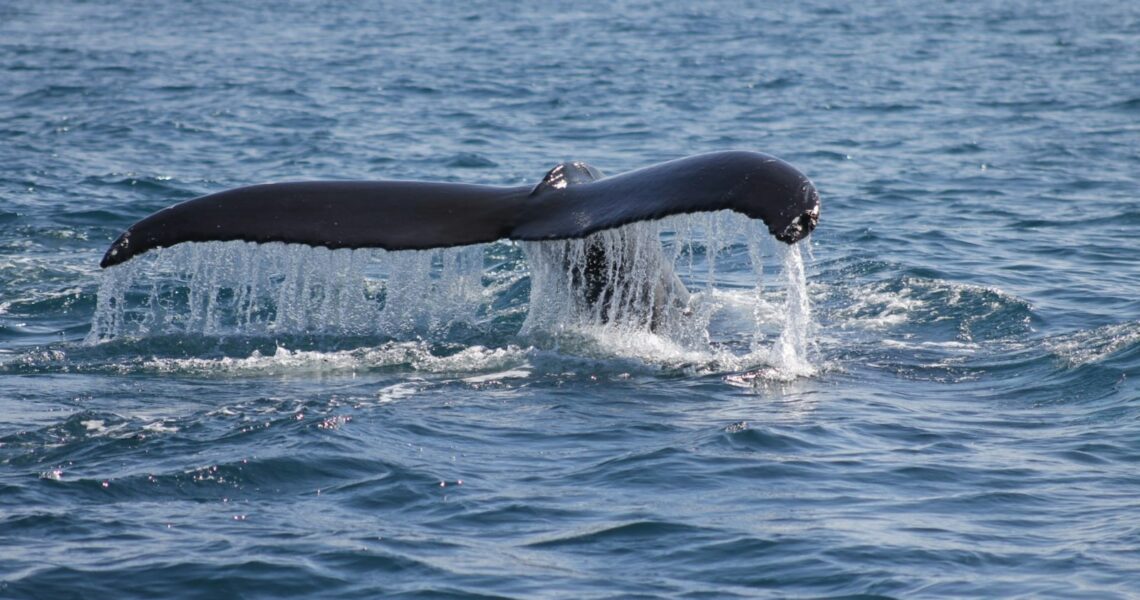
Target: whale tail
573, 201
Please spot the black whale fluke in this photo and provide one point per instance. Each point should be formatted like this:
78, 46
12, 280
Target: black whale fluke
412, 215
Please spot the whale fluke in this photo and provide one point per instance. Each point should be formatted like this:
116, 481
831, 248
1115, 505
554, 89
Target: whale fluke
573, 201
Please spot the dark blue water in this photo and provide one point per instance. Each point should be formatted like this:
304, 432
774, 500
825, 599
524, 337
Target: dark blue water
967, 423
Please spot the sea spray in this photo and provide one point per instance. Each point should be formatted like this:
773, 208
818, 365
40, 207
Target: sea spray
619, 278
790, 352
789, 356
240, 288
648, 289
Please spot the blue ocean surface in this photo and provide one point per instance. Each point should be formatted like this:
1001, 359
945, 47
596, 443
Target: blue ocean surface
935, 395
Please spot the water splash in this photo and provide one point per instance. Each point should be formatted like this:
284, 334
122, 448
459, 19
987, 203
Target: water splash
790, 352
697, 289
619, 280
240, 288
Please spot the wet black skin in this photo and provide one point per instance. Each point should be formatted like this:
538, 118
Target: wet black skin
572, 201
411, 215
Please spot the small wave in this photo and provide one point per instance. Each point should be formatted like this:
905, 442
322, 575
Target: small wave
147, 185
51, 92
1130, 105
469, 160
1096, 345
940, 309
624, 534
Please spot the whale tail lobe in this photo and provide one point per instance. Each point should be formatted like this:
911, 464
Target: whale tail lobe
573, 201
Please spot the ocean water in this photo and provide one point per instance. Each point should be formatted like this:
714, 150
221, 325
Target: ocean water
934, 396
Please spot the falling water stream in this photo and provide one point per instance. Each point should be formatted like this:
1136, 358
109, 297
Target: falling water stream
646, 290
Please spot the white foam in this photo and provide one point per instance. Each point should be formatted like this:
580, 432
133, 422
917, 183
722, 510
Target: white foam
417, 355
1092, 346
499, 376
